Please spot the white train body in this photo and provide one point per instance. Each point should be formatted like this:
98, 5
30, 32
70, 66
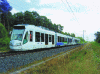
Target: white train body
29, 37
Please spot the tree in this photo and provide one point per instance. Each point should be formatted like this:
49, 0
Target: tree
60, 28
29, 18
5, 7
62, 33
72, 35
68, 34
19, 18
55, 27
97, 37
44, 21
7, 20
34, 13
10, 19
81, 39
65, 33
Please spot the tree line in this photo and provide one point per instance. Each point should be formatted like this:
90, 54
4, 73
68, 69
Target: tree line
33, 18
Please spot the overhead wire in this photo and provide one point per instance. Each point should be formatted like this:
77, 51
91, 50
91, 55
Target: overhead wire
71, 10
64, 4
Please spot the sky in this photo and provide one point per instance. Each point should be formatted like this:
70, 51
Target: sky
79, 15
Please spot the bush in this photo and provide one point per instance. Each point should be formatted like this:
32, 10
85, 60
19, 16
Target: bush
4, 39
3, 31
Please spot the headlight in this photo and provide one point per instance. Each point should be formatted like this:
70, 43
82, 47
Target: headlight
18, 44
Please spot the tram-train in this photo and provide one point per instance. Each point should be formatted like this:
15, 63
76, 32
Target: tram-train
28, 37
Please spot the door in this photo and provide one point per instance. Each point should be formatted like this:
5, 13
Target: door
31, 42
25, 44
46, 39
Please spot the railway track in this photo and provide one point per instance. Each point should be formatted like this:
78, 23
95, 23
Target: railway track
11, 60
13, 53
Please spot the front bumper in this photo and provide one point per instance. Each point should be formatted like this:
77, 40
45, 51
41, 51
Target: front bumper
16, 48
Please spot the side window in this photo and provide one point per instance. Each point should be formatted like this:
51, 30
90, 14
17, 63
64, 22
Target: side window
31, 36
62, 39
58, 39
37, 37
42, 37
66, 40
52, 39
49, 38
70, 40
25, 38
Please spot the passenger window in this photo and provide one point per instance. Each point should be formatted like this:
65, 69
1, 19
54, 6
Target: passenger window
66, 40
70, 40
25, 38
42, 37
52, 39
58, 39
49, 38
31, 36
37, 37
62, 39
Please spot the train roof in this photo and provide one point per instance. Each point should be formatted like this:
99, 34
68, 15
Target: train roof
29, 26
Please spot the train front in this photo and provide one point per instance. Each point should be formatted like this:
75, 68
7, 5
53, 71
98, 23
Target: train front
16, 38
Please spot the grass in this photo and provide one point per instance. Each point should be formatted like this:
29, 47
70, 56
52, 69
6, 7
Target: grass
83, 60
4, 48
80, 61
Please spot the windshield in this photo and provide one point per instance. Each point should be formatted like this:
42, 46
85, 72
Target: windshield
17, 34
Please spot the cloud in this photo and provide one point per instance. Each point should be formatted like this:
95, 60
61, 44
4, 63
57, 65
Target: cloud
14, 11
49, 1
28, 1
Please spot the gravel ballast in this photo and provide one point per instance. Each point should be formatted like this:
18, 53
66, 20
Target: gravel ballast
15, 61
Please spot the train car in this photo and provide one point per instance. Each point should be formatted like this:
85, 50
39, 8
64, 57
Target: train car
70, 40
28, 37
61, 39
76, 41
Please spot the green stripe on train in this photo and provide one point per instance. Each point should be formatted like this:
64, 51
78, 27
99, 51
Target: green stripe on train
64, 42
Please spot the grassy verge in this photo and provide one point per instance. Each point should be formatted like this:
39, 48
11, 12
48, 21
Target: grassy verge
81, 61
